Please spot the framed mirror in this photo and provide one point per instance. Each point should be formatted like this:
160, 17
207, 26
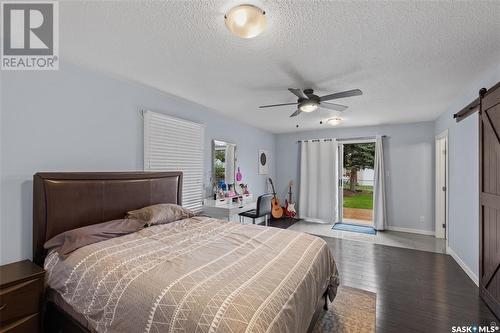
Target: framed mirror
223, 162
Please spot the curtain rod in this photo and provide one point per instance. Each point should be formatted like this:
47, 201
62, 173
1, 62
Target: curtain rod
343, 139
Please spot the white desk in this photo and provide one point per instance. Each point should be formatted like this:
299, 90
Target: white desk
226, 209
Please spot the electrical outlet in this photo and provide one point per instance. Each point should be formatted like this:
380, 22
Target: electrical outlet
422, 219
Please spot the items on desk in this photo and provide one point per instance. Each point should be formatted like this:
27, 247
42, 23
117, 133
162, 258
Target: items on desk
222, 185
230, 192
219, 190
234, 192
244, 187
239, 190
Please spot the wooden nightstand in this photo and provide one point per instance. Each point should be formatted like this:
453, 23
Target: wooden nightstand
21, 297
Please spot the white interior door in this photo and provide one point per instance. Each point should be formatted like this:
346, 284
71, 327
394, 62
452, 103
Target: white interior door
441, 184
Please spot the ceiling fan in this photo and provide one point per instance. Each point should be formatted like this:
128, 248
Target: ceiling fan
308, 102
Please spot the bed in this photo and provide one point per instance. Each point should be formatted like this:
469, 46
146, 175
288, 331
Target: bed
197, 274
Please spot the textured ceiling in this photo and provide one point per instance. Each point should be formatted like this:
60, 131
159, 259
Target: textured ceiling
411, 59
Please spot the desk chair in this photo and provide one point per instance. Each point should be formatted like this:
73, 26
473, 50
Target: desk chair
263, 209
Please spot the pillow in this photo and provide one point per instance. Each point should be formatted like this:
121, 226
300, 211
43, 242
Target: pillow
72, 240
161, 213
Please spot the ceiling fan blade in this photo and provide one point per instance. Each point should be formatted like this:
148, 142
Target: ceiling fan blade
333, 106
296, 113
348, 93
273, 105
297, 92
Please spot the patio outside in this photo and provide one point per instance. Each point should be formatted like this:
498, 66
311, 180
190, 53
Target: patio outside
358, 205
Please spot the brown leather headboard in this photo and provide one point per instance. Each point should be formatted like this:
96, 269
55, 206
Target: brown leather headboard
69, 200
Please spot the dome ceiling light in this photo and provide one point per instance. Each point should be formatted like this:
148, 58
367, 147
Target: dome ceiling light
308, 106
246, 21
334, 121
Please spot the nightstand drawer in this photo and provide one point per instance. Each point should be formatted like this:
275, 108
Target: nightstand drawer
20, 300
29, 324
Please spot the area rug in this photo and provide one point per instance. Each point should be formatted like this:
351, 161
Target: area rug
355, 228
353, 310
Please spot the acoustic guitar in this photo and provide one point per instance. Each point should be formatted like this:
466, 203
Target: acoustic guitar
276, 210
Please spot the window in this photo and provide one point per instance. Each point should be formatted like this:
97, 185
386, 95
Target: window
172, 144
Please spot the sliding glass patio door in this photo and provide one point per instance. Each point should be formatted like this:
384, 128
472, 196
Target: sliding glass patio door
340, 188
355, 182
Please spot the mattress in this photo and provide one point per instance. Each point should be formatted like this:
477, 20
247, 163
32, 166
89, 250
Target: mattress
195, 275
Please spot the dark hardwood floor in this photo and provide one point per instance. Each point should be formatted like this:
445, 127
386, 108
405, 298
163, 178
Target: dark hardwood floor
282, 223
416, 291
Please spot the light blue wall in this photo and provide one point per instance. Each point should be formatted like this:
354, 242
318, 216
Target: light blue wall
463, 142
463, 194
409, 162
79, 120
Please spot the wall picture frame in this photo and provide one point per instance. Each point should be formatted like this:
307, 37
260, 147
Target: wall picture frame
263, 162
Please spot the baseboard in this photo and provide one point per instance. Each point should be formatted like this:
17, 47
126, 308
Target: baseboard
462, 265
310, 219
412, 231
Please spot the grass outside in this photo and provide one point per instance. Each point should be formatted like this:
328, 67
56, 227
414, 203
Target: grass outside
361, 199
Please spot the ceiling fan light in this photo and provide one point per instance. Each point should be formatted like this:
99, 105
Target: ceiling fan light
246, 21
334, 121
308, 106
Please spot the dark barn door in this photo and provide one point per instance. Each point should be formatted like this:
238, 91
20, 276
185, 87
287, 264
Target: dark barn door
489, 210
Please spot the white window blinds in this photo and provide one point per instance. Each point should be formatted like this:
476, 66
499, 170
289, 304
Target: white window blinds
172, 144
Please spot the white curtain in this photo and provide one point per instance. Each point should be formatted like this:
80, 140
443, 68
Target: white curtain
318, 181
379, 210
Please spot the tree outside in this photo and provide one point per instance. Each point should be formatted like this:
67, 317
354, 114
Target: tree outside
358, 156
220, 162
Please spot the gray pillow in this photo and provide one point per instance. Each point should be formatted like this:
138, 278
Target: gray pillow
72, 240
160, 214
